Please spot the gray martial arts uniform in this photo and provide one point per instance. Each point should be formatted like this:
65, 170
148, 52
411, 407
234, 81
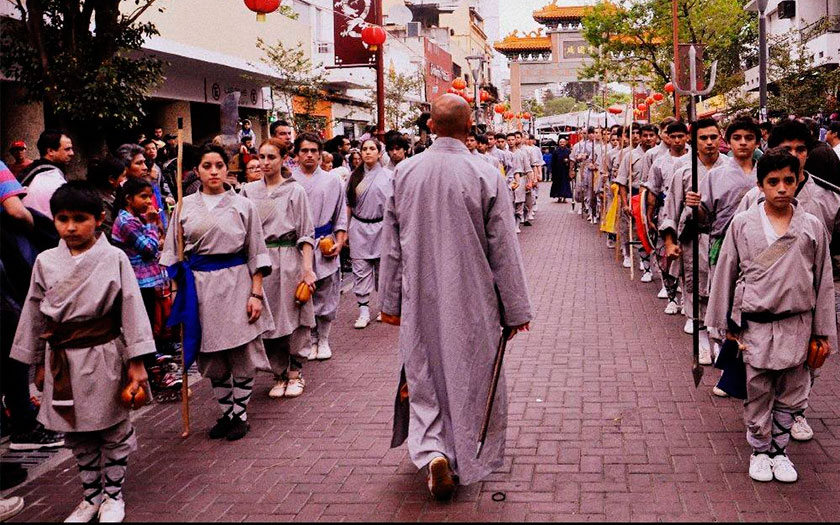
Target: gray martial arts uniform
781, 294
451, 268
231, 347
365, 230
287, 225
99, 284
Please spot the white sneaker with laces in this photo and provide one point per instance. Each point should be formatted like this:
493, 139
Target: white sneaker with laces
718, 392
278, 390
580, 211
705, 348
10, 507
801, 430
112, 511
362, 322
324, 351
761, 467
83, 513
689, 326
518, 230
647, 277
672, 308
313, 353
663, 293
295, 386
783, 469
626, 263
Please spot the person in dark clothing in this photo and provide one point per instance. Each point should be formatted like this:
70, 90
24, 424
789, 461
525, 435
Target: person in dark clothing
561, 185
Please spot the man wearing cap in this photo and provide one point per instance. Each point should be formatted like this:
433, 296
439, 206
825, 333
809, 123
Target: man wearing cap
18, 152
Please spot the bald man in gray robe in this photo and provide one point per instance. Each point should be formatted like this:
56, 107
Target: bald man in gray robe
452, 277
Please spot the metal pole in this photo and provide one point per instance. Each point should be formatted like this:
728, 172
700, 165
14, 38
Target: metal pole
676, 24
380, 80
762, 61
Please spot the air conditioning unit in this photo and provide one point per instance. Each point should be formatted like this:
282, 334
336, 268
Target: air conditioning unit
786, 9
413, 29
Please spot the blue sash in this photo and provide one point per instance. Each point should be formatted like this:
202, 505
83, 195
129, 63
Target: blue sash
185, 306
323, 231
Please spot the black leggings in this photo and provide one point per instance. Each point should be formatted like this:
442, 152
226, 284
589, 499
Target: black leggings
149, 297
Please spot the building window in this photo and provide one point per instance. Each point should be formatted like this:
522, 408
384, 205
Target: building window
323, 47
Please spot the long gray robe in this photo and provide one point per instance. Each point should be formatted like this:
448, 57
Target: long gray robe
66, 289
327, 203
792, 277
503, 156
284, 209
451, 268
650, 157
230, 227
522, 166
366, 237
721, 193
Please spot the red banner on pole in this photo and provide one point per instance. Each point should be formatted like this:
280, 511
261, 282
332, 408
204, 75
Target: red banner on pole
349, 18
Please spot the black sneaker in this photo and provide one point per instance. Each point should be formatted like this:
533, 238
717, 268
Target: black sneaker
221, 428
38, 437
238, 429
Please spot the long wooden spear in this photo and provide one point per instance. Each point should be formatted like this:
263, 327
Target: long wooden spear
179, 182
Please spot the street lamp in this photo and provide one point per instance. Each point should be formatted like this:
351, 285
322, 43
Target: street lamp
762, 60
476, 63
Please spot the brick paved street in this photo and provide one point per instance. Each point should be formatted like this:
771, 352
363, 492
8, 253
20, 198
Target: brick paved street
605, 424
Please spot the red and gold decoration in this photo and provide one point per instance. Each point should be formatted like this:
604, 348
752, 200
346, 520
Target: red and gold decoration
374, 36
262, 7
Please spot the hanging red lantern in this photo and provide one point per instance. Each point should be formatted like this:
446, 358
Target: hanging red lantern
508, 115
669, 87
642, 107
526, 116
459, 83
483, 96
615, 110
452, 91
658, 97
469, 99
262, 7
373, 36
499, 108
649, 101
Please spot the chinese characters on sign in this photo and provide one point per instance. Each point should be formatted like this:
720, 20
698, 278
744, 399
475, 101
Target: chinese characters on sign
577, 49
349, 18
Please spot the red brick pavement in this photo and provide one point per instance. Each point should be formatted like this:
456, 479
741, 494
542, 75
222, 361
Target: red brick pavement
605, 424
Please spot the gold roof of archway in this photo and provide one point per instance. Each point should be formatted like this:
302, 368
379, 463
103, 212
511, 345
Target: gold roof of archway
532, 41
553, 11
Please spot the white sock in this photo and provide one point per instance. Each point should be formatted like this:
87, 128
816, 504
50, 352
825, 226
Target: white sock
364, 311
323, 326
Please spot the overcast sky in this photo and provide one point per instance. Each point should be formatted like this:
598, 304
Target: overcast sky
516, 14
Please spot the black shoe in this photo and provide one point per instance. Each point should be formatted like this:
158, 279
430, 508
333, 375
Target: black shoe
38, 437
221, 428
238, 429
11, 475
526, 223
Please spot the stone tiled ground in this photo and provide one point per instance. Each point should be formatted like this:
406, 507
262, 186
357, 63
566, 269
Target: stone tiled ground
605, 424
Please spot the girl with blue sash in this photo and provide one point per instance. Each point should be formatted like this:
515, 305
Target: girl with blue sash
220, 289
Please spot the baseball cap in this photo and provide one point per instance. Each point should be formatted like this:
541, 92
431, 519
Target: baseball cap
18, 144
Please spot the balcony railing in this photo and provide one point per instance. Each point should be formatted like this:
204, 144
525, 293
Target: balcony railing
826, 24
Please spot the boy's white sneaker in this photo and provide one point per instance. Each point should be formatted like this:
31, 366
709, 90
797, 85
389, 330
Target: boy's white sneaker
295, 387
663, 293
647, 277
313, 353
689, 326
83, 513
362, 322
112, 511
10, 507
672, 308
783, 469
324, 351
705, 348
801, 430
278, 390
626, 263
718, 392
761, 467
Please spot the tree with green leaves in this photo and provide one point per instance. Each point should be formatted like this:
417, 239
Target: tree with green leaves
635, 39
298, 83
400, 111
78, 58
798, 85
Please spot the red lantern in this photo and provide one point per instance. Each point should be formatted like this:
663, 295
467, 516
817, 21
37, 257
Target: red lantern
373, 36
508, 115
642, 107
649, 101
452, 91
469, 99
526, 116
459, 83
499, 108
658, 97
615, 110
669, 87
483, 96
261, 7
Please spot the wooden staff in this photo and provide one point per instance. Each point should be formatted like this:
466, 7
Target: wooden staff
618, 194
179, 239
630, 192
494, 384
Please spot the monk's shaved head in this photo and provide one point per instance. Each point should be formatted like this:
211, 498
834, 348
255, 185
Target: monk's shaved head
451, 117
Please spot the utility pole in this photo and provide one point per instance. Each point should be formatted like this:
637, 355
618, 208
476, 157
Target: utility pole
476, 63
380, 80
762, 60
676, 29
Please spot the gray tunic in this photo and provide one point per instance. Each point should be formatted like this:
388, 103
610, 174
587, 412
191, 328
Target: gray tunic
452, 269
650, 157
284, 209
67, 289
365, 237
327, 203
230, 227
792, 276
634, 159
504, 157
522, 166
721, 193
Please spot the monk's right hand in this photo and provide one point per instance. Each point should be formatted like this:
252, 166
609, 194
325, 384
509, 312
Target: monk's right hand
520, 328
40, 372
672, 250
